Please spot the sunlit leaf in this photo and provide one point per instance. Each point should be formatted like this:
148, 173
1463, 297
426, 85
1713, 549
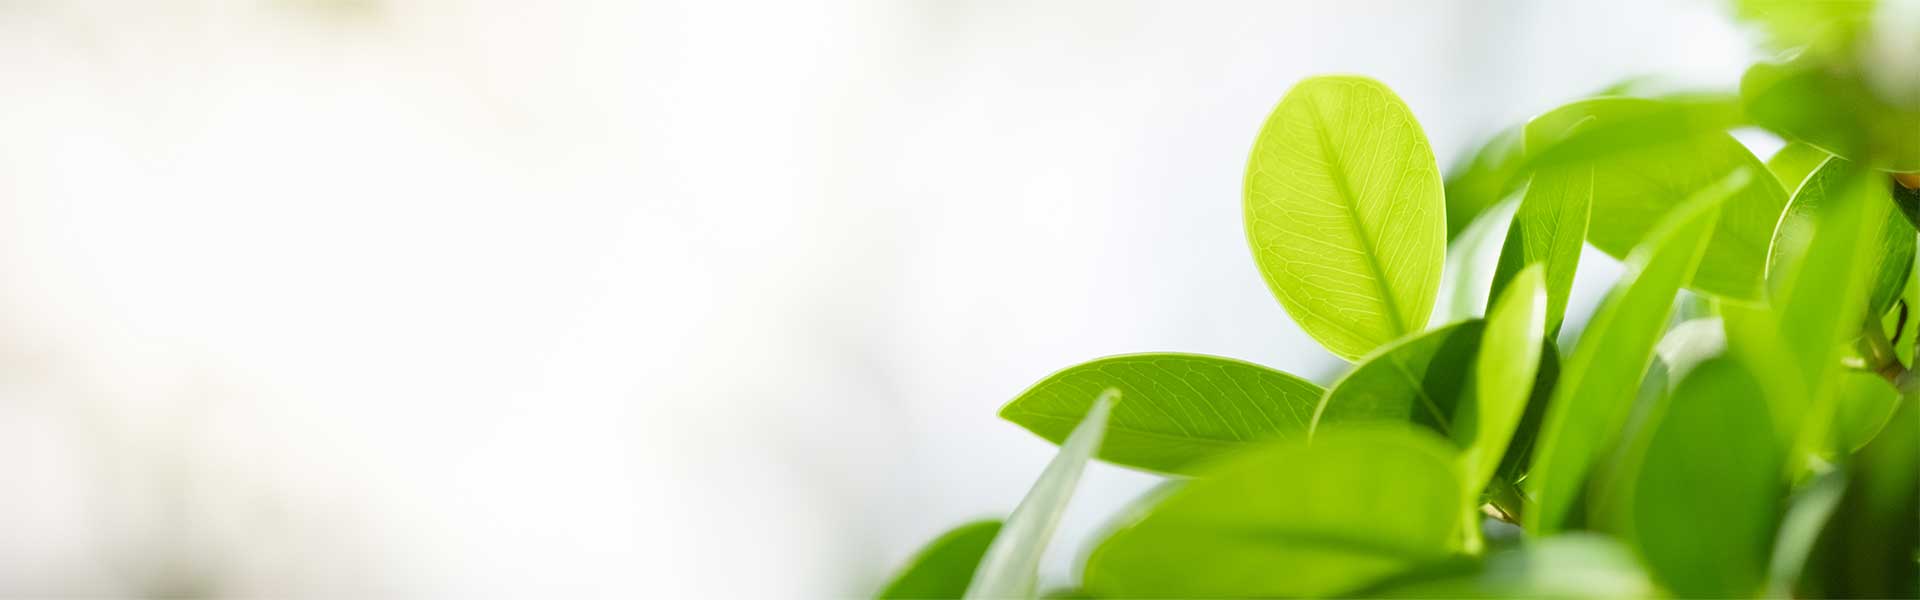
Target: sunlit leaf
1508, 360
1472, 258
1550, 228
1890, 262
1181, 409
1345, 213
1011, 566
1794, 162
1599, 382
1292, 519
1420, 380
943, 568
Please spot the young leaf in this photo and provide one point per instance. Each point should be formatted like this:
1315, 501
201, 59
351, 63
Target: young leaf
1471, 260
1010, 568
1345, 213
1550, 228
1600, 380
1573, 566
1419, 379
1509, 359
1667, 161
1292, 519
1890, 263
1706, 492
943, 568
1181, 409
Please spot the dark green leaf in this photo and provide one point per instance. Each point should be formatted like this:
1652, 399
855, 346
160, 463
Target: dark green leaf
1807, 513
1868, 547
1419, 379
1181, 409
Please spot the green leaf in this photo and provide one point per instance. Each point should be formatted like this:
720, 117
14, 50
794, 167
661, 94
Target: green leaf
1573, 566
1419, 379
1647, 156
1867, 549
1011, 566
1550, 228
1471, 261
1865, 402
1181, 409
1490, 175
1292, 519
1599, 383
1832, 107
1794, 162
943, 568
1345, 213
1824, 25
1505, 370
1705, 494
1807, 512
1891, 262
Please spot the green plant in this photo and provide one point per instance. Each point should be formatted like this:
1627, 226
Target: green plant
1737, 418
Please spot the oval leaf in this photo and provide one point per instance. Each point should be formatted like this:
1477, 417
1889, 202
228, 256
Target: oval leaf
1601, 378
1181, 409
1011, 566
943, 568
1345, 213
1419, 379
1890, 262
1292, 519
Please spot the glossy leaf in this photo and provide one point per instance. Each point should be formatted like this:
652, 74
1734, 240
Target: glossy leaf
1794, 162
1292, 519
1668, 161
1181, 409
1550, 228
1601, 377
1345, 214
1891, 262
1705, 495
1505, 369
1472, 259
1011, 566
943, 568
1574, 566
1835, 109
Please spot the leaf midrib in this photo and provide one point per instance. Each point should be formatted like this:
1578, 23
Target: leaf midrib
1351, 202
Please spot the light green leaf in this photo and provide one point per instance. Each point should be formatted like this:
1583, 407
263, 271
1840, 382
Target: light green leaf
943, 568
1011, 566
1807, 513
1505, 370
1597, 387
1891, 262
1471, 260
1706, 487
1488, 176
1292, 519
1634, 185
1834, 109
1573, 566
1794, 162
1345, 213
1181, 409
1823, 25
1550, 228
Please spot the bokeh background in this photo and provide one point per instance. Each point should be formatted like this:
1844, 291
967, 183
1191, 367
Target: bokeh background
495, 298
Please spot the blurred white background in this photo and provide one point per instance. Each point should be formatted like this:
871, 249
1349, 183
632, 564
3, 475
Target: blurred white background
500, 298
